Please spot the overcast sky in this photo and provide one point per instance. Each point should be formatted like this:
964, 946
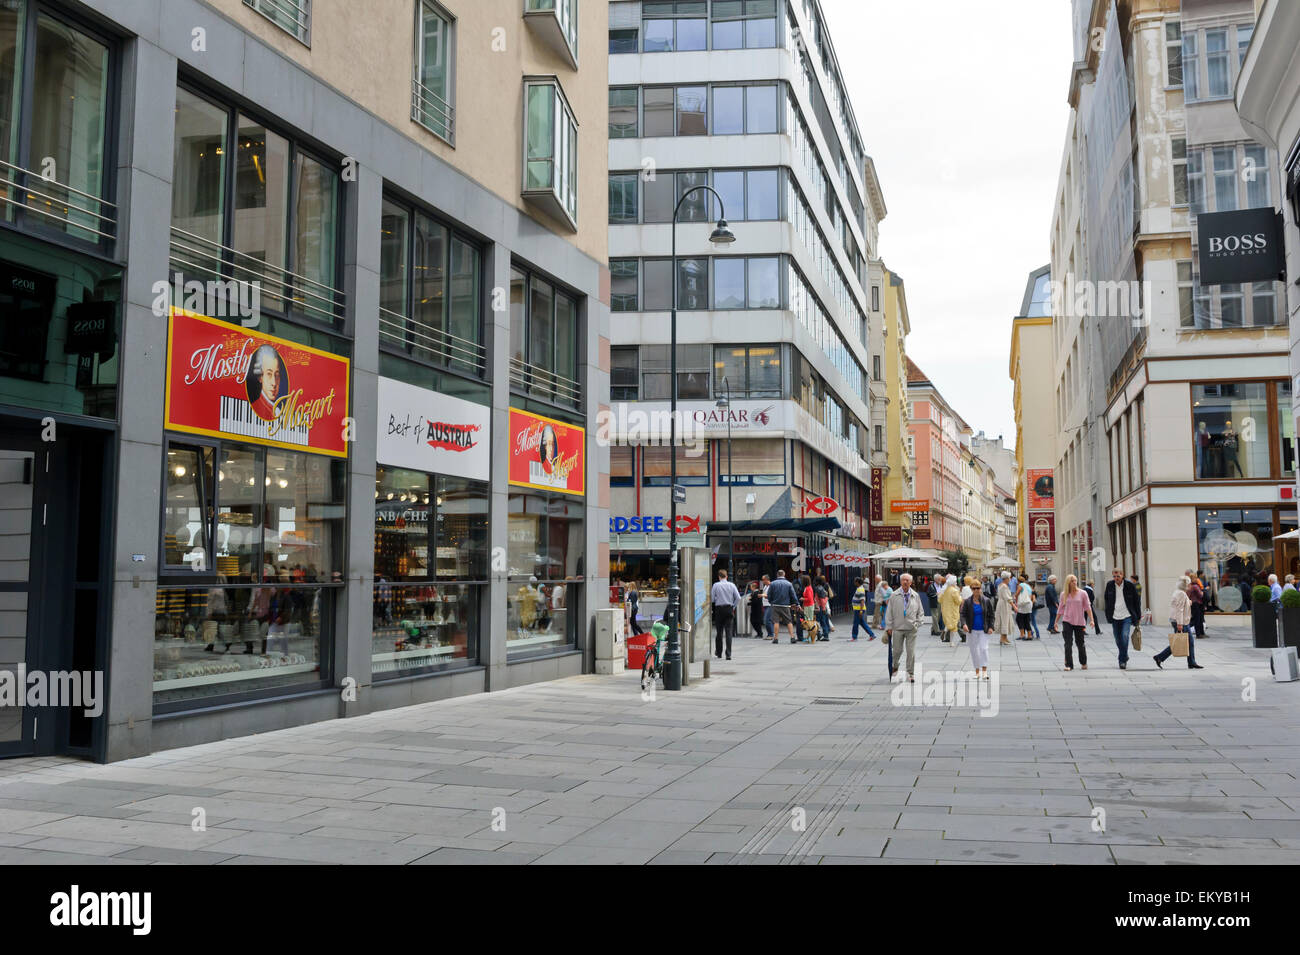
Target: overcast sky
963, 107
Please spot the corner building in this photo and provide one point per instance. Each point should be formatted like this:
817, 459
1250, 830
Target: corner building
317, 304
746, 98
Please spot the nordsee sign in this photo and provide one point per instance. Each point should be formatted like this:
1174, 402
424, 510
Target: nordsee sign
1240, 246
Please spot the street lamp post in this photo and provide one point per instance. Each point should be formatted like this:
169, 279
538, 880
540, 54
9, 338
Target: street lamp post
725, 402
672, 613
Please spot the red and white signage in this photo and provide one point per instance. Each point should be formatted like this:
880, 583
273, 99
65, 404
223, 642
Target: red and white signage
547, 454
226, 381
821, 505
429, 431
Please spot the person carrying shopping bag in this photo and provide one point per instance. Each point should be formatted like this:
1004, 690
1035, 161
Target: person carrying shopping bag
1180, 618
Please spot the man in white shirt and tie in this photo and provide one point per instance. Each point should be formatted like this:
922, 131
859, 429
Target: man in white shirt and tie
725, 598
901, 619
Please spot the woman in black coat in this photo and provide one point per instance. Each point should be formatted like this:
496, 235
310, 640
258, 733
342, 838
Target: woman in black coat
977, 621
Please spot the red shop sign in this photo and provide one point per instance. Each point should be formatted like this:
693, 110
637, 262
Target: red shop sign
547, 454
820, 505
228, 381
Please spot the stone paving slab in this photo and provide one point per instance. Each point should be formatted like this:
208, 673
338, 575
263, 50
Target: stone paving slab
741, 769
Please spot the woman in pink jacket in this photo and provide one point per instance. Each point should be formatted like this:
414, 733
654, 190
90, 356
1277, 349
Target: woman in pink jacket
1076, 612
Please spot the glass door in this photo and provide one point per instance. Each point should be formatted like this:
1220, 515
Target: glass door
17, 485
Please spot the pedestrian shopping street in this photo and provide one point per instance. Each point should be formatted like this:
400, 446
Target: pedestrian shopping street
787, 754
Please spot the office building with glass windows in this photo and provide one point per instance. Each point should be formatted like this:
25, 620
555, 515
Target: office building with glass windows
745, 97
305, 334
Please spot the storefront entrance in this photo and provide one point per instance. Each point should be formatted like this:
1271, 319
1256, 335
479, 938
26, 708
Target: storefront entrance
52, 620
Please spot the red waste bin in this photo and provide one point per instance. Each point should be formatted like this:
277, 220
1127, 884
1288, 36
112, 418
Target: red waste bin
637, 648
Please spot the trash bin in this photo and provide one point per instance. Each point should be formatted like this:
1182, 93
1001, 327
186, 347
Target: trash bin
637, 647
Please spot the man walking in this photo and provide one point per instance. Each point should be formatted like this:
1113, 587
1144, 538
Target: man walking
882, 598
1053, 600
767, 608
725, 599
932, 595
902, 617
860, 609
782, 598
1122, 610
1092, 599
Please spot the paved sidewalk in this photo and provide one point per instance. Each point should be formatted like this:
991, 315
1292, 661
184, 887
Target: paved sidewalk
584, 770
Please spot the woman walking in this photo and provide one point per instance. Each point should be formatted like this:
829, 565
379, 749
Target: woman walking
822, 603
977, 620
1076, 611
633, 606
950, 608
1024, 608
755, 598
1180, 618
808, 601
1005, 613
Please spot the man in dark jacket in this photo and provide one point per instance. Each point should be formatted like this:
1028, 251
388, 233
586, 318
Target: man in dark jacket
1092, 599
1196, 593
1123, 609
1053, 600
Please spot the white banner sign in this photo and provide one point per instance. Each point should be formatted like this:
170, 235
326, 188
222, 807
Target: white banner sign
429, 431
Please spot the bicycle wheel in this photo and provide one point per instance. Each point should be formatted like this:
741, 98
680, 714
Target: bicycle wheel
648, 667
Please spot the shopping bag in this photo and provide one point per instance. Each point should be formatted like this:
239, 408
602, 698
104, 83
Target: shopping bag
1137, 638
1178, 644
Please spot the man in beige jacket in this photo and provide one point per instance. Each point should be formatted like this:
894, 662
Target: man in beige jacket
902, 617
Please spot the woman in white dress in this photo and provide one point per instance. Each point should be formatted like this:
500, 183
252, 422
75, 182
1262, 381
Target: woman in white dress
1004, 617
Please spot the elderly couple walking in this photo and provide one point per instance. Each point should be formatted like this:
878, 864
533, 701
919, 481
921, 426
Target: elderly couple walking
904, 613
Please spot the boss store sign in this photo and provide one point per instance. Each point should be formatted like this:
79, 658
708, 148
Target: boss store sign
1240, 246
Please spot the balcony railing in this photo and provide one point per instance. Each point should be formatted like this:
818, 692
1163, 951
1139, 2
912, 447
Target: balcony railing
54, 203
196, 257
291, 16
546, 385
430, 343
433, 112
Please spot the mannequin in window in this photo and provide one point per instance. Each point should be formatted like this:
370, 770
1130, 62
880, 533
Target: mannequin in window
1202, 450
1229, 443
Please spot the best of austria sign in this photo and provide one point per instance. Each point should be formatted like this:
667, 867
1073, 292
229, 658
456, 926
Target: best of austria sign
429, 431
1240, 246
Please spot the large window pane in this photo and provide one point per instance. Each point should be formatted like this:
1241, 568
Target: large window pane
68, 110
315, 232
656, 467
622, 197
658, 36
402, 533
539, 168
765, 282
760, 109
463, 320
623, 372
657, 285
690, 34
623, 285
692, 283
696, 207
240, 482
765, 371
429, 299
1258, 194
1236, 553
434, 71
728, 35
541, 333
1286, 426
461, 528
692, 110
424, 628
525, 553
1231, 430
660, 196
729, 363
11, 59
658, 107
1216, 62
187, 507
518, 317
1225, 179
762, 200
728, 110
261, 194
760, 34
729, 286
622, 113
730, 185
303, 530
198, 183
566, 338
394, 231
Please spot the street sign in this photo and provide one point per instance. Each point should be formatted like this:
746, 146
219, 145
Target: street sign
679, 494
920, 518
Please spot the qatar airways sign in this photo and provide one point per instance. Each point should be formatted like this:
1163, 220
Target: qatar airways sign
1240, 246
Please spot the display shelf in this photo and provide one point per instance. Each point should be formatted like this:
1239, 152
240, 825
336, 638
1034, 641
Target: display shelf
415, 653
234, 676
533, 640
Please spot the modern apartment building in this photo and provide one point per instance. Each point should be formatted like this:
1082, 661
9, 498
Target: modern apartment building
745, 98
1160, 377
309, 330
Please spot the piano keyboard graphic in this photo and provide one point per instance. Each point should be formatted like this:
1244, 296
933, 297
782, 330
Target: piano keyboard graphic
237, 417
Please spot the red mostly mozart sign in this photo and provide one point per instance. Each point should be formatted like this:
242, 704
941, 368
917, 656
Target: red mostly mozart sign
227, 381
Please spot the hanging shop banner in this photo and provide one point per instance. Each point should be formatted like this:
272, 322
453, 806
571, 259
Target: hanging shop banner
1042, 532
547, 454
1039, 489
886, 534
429, 431
877, 494
1244, 245
225, 381
821, 505
920, 533
900, 507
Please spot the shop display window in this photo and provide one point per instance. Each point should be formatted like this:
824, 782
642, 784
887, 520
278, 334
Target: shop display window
1230, 430
431, 563
545, 566
1236, 554
216, 641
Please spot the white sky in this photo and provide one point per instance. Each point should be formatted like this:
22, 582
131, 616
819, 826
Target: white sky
963, 107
